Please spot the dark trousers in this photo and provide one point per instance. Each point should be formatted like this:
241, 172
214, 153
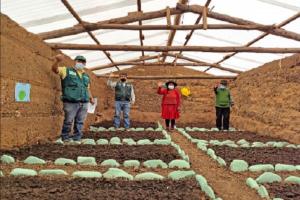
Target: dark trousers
168, 123
223, 115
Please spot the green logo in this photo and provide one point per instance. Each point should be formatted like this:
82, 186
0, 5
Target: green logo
22, 95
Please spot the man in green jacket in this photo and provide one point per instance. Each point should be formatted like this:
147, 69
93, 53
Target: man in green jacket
223, 103
76, 94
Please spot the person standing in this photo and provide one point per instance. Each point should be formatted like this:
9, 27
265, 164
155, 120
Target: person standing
124, 98
170, 103
76, 94
223, 103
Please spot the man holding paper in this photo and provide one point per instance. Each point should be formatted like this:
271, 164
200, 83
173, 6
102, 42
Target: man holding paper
76, 94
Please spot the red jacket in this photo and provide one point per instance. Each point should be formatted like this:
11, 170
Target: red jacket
169, 96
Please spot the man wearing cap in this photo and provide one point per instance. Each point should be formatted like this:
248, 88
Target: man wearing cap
76, 94
124, 98
170, 103
223, 103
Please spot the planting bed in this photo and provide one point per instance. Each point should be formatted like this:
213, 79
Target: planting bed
69, 188
135, 135
262, 155
283, 190
194, 124
120, 153
234, 136
108, 124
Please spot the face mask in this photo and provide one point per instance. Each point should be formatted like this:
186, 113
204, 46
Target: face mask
123, 79
79, 65
171, 87
222, 86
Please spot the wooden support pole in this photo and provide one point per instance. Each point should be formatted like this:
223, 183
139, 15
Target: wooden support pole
76, 16
199, 10
94, 26
173, 77
172, 48
172, 32
139, 6
204, 18
168, 16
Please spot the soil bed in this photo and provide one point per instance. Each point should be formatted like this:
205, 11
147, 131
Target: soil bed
108, 124
194, 124
261, 155
284, 191
101, 152
135, 135
63, 188
234, 136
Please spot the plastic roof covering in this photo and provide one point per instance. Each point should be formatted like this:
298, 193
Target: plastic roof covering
40, 16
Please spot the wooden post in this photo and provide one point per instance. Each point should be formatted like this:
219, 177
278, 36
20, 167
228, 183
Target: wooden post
204, 18
168, 16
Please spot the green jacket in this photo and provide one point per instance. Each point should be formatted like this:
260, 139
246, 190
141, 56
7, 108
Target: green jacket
74, 87
223, 97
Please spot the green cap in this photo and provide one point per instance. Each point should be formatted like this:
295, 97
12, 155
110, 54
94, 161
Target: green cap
80, 58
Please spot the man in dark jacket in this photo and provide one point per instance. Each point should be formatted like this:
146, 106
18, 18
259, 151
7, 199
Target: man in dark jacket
124, 98
223, 103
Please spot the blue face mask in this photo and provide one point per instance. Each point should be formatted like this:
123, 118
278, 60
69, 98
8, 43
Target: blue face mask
79, 65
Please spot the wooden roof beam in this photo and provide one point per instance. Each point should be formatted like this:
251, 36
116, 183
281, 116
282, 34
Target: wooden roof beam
218, 66
283, 23
199, 10
172, 32
95, 26
172, 77
76, 16
172, 48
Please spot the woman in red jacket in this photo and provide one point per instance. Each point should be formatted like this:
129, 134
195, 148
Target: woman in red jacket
170, 103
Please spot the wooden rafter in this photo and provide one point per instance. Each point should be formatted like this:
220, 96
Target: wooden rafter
199, 10
283, 23
121, 20
76, 16
139, 5
185, 27
172, 48
143, 58
218, 66
172, 32
172, 77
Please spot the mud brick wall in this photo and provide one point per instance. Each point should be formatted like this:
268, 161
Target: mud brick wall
26, 58
268, 99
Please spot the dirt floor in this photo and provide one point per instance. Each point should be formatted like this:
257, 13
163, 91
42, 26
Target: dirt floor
262, 155
108, 124
234, 136
195, 124
50, 152
226, 184
55, 188
284, 191
135, 135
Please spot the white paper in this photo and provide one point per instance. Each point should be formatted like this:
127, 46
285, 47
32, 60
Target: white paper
92, 107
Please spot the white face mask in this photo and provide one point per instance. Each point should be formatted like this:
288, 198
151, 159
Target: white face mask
171, 87
79, 65
222, 86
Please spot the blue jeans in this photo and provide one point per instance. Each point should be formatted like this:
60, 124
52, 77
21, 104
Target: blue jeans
119, 107
74, 112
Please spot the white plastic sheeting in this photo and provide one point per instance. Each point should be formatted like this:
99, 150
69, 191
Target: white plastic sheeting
39, 16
